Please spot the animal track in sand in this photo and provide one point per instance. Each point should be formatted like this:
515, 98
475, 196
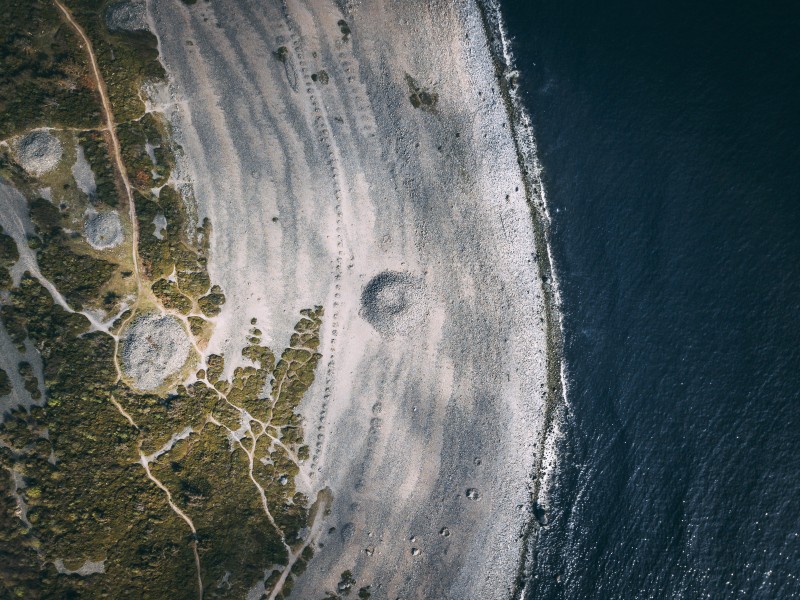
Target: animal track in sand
325, 138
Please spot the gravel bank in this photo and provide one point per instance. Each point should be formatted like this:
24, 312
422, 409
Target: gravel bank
154, 348
38, 152
393, 303
103, 230
127, 15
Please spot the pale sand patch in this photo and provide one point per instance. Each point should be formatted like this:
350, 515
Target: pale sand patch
82, 173
160, 223
89, 567
313, 190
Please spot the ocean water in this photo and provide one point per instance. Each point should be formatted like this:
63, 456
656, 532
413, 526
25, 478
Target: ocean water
669, 133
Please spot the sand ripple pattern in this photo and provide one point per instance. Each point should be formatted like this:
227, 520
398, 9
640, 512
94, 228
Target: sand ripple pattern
412, 228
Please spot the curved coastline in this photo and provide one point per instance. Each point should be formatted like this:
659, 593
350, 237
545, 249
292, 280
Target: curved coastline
531, 169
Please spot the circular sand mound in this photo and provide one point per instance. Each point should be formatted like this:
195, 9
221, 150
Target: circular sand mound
39, 152
392, 302
128, 15
103, 230
154, 347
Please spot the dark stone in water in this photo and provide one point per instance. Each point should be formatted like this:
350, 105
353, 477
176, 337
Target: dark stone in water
540, 514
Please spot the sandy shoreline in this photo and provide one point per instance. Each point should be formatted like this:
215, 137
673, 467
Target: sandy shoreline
556, 398
316, 188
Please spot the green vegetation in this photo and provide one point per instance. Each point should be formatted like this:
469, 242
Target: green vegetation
421, 98
192, 468
347, 580
176, 252
211, 305
216, 364
126, 59
8, 258
20, 572
29, 378
80, 278
44, 76
195, 283
212, 484
87, 436
153, 252
170, 296
126, 521
133, 136
5, 383
200, 328
294, 373
344, 29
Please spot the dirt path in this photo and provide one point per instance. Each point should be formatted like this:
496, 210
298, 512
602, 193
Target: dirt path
322, 505
111, 127
120, 166
182, 515
112, 131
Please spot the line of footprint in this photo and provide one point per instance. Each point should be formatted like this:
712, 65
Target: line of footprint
325, 138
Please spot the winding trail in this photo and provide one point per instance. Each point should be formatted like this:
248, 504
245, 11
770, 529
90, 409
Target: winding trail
120, 167
322, 505
143, 291
182, 515
111, 126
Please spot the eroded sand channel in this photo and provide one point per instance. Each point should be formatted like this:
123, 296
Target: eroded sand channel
331, 143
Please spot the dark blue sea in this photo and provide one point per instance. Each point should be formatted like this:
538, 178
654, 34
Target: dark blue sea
669, 133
